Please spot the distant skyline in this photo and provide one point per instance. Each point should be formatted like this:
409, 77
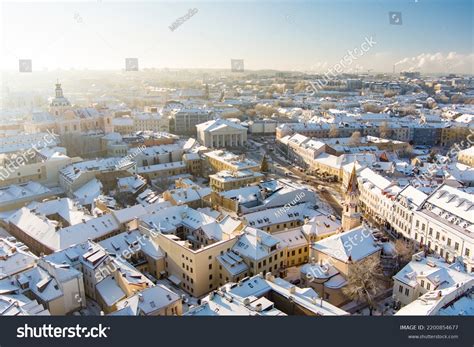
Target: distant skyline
435, 36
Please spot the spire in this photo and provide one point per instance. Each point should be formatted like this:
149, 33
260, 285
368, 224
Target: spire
353, 186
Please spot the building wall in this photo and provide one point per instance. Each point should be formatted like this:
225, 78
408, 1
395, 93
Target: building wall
45, 172
334, 296
404, 293
197, 270
466, 158
296, 256
220, 185
343, 267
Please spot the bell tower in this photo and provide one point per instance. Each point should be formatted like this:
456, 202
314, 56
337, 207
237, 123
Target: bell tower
351, 210
59, 104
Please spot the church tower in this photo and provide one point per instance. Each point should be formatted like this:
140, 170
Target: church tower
59, 103
351, 212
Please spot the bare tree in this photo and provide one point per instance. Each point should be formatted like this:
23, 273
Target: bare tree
405, 250
407, 152
355, 138
328, 105
264, 164
384, 130
300, 87
432, 156
389, 93
372, 108
408, 110
334, 131
364, 282
251, 112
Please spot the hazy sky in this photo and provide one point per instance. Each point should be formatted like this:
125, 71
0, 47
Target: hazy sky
435, 36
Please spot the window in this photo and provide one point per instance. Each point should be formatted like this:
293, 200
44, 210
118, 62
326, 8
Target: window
407, 291
400, 289
210, 266
449, 242
456, 246
428, 286
423, 283
437, 235
467, 252
210, 277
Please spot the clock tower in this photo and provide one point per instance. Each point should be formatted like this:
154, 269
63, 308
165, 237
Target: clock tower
351, 209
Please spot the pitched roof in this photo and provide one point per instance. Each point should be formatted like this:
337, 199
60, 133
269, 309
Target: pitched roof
353, 187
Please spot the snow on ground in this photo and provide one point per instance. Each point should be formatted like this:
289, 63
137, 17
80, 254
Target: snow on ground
384, 308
